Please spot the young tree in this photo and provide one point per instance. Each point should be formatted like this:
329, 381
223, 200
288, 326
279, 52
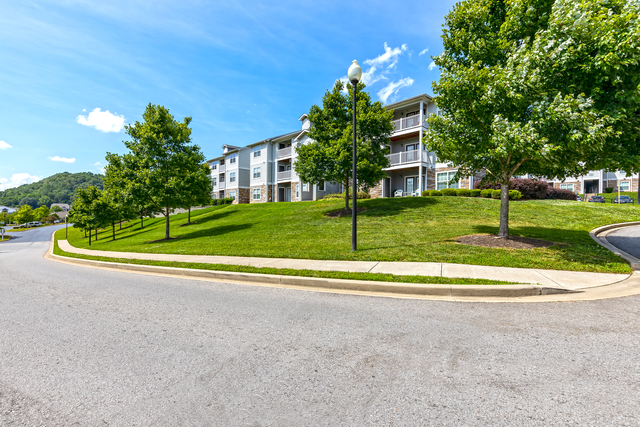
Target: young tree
197, 189
24, 214
41, 213
537, 87
83, 214
329, 156
161, 158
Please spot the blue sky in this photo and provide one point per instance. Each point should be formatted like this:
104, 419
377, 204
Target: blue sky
244, 71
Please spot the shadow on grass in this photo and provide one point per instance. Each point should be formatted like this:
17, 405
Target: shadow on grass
391, 206
212, 216
559, 235
216, 231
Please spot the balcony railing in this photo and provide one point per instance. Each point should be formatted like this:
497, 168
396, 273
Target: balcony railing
406, 123
222, 185
284, 152
221, 168
284, 175
408, 157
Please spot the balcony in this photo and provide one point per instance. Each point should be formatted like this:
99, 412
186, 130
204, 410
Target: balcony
221, 168
406, 157
406, 123
284, 152
222, 185
284, 175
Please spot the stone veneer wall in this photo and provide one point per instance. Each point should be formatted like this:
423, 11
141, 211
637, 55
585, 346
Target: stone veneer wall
295, 186
271, 197
576, 185
242, 195
614, 184
431, 179
263, 194
376, 192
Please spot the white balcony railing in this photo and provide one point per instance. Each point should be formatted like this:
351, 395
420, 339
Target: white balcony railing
222, 185
284, 175
406, 123
408, 157
221, 168
284, 152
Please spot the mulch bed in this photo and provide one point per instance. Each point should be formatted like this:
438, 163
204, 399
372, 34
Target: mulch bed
343, 212
512, 242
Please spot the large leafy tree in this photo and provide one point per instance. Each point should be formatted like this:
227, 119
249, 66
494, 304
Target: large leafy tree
85, 213
24, 214
160, 161
548, 88
329, 155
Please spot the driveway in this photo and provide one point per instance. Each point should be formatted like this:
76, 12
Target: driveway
80, 346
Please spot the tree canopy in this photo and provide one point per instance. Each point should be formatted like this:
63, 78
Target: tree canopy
329, 155
547, 88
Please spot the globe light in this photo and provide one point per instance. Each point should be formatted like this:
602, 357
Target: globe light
355, 73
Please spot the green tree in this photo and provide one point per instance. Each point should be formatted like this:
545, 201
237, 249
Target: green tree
41, 213
83, 214
537, 87
196, 189
161, 158
24, 214
329, 155
56, 209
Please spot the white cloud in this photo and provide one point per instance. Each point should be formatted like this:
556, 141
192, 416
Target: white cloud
432, 65
102, 120
4, 145
62, 159
391, 90
17, 179
423, 52
390, 57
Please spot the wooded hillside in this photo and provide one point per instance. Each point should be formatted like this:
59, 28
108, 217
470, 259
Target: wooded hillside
58, 188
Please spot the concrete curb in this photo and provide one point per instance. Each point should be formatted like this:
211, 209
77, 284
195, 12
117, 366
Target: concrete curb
326, 285
600, 236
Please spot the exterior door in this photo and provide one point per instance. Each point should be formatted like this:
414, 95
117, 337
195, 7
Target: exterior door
288, 190
411, 184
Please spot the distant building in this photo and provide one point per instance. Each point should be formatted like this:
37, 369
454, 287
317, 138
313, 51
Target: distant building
5, 209
65, 207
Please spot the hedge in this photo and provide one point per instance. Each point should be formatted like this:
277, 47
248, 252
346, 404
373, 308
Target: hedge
486, 193
515, 195
463, 192
435, 193
425, 193
495, 194
449, 192
475, 192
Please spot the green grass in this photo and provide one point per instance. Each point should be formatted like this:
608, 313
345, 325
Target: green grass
6, 238
432, 280
398, 229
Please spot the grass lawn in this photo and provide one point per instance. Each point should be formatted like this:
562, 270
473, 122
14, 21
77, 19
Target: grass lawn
398, 229
611, 196
6, 238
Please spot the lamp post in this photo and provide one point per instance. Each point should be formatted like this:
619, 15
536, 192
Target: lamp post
66, 236
354, 75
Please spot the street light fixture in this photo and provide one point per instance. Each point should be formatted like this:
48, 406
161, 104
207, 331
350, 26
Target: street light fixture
354, 75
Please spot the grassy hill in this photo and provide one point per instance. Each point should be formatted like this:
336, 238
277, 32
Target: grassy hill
403, 229
58, 188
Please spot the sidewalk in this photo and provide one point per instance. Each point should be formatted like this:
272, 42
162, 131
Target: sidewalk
568, 280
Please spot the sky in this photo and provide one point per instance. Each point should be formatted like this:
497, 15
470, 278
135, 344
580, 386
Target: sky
73, 73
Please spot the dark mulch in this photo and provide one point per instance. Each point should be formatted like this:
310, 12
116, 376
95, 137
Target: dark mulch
512, 242
343, 212
164, 240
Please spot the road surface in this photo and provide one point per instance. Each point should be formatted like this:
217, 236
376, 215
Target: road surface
95, 347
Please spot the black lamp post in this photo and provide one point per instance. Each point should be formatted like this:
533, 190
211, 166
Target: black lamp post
354, 75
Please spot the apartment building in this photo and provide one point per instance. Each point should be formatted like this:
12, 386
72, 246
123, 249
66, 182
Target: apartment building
596, 182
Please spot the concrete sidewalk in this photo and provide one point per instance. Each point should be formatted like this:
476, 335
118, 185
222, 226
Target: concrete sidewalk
568, 280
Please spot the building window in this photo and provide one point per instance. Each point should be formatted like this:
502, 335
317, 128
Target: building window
443, 180
232, 193
232, 177
256, 194
625, 186
232, 157
214, 181
566, 187
305, 187
257, 151
256, 172
321, 184
215, 166
298, 189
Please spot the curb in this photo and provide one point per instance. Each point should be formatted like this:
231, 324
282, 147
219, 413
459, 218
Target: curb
634, 262
325, 285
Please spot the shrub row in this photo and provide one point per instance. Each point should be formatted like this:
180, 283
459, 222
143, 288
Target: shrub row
223, 201
463, 192
530, 189
361, 195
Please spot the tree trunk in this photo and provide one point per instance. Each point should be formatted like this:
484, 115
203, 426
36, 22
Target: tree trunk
189, 220
504, 211
141, 221
89, 237
85, 233
113, 230
167, 227
96, 234
120, 223
346, 195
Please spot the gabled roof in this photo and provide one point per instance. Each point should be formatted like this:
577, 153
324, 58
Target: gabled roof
303, 133
403, 103
302, 117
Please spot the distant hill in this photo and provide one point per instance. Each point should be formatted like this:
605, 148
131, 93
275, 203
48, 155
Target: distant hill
58, 188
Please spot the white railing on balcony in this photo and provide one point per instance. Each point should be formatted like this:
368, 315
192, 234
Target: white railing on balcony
284, 152
222, 185
406, 123
408, 157
284, 175
221, 168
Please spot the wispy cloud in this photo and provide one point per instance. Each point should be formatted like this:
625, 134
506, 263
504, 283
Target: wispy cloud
17, 179
102, 120
423, 52
4, 145
432, 65
391, 90
62, 159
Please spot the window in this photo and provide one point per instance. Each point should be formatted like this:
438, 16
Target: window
321, 184
232, 177
232, 157
256, 172
215, 165
256, 194
257, 151
298, 188
232, 193
413, 113
443, 180
305, 187
214, 181
566, 187
625, 186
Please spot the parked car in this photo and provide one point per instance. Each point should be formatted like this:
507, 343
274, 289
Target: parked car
623, 199
578, 198
597, 199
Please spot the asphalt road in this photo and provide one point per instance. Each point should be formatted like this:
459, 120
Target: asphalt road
94, 347
627, 239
